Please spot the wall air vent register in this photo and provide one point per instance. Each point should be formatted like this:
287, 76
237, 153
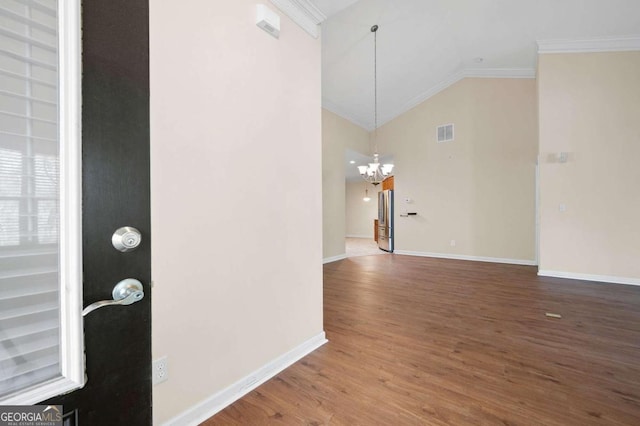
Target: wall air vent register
444, 133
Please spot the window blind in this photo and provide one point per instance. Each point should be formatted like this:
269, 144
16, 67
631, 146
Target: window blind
29, 195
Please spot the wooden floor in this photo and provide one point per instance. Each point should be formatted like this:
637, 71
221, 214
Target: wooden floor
419, 341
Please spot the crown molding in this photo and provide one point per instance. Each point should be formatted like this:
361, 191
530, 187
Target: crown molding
302, 12
500, 72
611, 44
358, 121
432, 91
456, 77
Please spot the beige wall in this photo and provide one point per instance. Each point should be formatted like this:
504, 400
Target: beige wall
236, 195
360, 214
338, 134
590, 108
478, 190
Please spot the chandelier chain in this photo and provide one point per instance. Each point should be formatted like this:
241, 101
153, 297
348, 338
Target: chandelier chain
374, 173
375, 88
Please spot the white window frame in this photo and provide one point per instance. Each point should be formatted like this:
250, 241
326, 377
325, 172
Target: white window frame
72, 363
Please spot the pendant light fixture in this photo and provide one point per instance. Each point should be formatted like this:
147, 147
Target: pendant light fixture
375, 173
366, 197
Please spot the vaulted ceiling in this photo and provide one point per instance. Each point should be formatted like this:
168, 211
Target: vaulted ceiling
425, 45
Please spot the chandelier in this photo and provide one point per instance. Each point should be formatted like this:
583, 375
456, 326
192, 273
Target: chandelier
375, 173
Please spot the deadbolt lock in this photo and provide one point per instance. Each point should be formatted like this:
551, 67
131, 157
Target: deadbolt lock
126, 239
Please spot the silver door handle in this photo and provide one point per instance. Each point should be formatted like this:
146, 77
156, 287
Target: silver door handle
126, 292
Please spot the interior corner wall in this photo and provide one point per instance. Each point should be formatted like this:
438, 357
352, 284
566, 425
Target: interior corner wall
360, 213
475, 196
338, 134
236, 195
590, 205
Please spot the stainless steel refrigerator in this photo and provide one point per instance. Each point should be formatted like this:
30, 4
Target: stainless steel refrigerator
385, 220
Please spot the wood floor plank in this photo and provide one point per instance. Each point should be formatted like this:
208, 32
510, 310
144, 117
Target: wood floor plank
421, 341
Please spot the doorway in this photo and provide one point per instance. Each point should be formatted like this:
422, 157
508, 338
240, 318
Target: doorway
361, 204
362, 247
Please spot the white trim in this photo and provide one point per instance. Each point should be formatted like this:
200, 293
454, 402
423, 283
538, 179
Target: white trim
71, 191
500, 72
432, 91
334, 258
589, 277
369, 237
210, 406
452, 79
460, 75
71, 329
302, 12
466, 257
337, 110
537, 210
611, 44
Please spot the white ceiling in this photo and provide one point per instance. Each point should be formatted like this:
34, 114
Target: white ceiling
424, 44
331, 7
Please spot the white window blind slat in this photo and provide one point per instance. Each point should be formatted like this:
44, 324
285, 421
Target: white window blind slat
12, 275
10, 255
28, 40
17, 18
21, 19
29, 363
30, 335
26, 284
34, 5
29, 195
28, 60
26, 325
31, 343
28, 137
29, 305
22, 79
25, 381
26, 117
27, 98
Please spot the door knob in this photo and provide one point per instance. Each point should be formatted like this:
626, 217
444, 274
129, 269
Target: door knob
126, 292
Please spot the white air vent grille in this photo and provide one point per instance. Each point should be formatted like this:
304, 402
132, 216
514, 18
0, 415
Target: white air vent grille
445, 133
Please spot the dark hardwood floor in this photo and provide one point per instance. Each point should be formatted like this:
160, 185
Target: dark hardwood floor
420, 341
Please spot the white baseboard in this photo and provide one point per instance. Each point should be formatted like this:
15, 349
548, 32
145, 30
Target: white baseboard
369, 237
334, 258
465, 257
215, 403
588, 277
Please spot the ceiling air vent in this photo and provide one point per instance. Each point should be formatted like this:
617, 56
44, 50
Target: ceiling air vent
445, 133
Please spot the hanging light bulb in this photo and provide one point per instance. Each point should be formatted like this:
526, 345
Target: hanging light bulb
366, 197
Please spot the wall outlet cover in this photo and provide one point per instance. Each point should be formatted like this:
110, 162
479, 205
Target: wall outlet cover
160, 370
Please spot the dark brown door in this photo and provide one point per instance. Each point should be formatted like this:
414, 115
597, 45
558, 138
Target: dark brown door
115, 144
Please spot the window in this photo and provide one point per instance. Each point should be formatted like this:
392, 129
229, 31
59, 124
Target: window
32, 307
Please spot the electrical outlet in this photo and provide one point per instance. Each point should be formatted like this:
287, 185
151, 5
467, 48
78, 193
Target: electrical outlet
160, 369
453, 243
